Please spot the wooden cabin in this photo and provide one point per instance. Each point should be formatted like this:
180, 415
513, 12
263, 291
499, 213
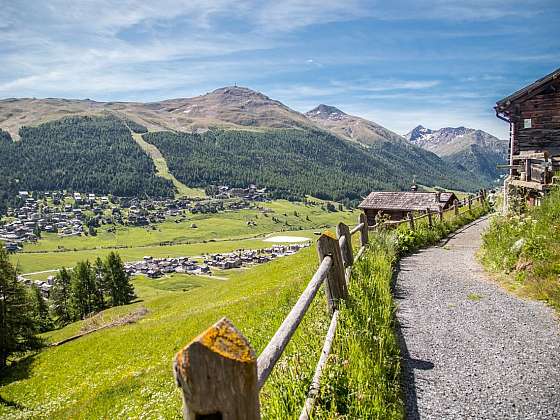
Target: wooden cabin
533, 114
396, 205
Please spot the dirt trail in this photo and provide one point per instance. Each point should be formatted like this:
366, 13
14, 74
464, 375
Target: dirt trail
471, 349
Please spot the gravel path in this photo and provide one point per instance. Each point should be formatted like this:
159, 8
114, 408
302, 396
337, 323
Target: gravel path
471, 350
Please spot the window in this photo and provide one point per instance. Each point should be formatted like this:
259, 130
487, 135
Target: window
527, 123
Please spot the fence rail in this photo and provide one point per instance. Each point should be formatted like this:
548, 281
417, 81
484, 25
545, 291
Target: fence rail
219, 373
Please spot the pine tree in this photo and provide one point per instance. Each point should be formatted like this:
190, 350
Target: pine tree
101, 283
122, 291
40, 310
83, 290
17, 327
60, 296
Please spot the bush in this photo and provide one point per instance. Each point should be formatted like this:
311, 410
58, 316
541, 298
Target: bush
526, 249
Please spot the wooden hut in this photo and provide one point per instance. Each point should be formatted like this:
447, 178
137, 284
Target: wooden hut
396, 205
533, 114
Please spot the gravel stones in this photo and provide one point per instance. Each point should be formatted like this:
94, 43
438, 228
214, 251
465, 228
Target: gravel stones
471, 350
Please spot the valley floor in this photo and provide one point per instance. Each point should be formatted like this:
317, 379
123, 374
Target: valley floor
470, 349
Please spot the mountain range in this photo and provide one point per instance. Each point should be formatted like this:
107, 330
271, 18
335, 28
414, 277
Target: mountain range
232, 135
474, 150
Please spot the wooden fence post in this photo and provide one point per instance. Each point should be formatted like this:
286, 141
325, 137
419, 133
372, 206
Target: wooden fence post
410, 220
470, 201
217, 373
440, 214
335, 285
456, 207
429, 213
364, 231
343, 231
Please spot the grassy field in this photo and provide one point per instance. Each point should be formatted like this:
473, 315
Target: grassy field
221, 232
523, 251
125, 372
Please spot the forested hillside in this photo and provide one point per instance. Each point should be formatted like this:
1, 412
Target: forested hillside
293, 163
8, 183
93, 154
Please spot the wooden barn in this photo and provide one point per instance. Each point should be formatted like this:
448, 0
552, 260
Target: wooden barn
533, 114
396, 205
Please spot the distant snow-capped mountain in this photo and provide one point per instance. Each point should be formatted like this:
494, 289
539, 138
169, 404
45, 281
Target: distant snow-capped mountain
474, 150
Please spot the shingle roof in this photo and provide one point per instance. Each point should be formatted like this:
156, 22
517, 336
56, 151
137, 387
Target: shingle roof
406, 201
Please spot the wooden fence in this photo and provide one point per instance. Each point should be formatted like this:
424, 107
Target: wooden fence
219, 372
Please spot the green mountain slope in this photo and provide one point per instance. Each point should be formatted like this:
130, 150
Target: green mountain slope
293, 163
93, 154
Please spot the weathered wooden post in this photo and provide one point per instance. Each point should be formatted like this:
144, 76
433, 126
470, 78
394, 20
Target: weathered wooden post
364, 231
410, 220
217, 373
456, 207
440, 214
480, 197
429, 213
470, 202
335, 284
343, 231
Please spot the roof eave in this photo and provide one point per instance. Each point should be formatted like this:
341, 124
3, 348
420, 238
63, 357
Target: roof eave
505, 103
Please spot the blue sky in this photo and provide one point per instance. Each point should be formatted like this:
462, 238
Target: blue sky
431, 62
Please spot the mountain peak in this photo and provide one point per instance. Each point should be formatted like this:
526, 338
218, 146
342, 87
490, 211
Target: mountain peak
238, 91
325, 111
418, 132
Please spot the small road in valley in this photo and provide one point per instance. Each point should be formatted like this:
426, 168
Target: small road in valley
472, 350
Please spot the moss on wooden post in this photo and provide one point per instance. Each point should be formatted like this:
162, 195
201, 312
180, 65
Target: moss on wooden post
217, 373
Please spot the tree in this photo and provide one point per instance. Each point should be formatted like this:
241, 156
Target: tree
102, 283
121, 290
60, 296
83, 290
17, 326
41, 314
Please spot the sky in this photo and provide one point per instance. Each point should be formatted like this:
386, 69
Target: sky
399, 63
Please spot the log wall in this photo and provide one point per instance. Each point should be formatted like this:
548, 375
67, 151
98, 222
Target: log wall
544, 111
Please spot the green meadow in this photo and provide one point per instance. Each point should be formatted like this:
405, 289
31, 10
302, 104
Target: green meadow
125, 371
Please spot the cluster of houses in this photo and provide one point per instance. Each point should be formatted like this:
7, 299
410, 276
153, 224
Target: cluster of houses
73, 213
251, 193
44, 286
157, 267
26, 222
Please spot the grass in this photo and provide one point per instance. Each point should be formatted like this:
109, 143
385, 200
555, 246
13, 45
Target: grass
523, 250
363, 378
163, 170
125, 372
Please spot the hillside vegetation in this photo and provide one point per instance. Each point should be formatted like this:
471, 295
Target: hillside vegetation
125, 372
294, 163
524, 250
93, 154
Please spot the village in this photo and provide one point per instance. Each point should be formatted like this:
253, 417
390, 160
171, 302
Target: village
158, 267
75, 214
207, 264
